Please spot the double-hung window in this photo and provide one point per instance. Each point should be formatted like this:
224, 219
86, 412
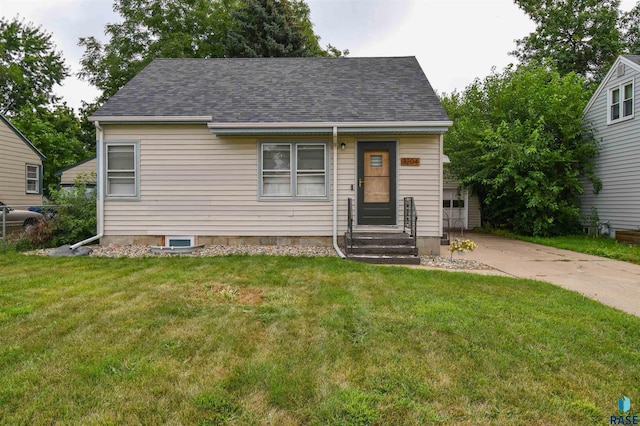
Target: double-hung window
293, 170
621, 102
32, 174
122, 170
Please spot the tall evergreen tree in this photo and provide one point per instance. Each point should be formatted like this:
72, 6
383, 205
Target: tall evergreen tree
272, 28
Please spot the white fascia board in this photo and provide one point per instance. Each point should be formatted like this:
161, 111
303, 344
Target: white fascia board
151, 119
603, 84
329, 124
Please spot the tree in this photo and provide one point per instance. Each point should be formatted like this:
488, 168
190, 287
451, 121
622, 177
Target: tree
192, 29
58, 134
151, 29
630, 26
29, 66
580, 36
518, 142
274, 28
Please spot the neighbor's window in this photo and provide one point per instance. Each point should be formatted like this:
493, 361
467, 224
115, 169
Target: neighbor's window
621, 102
33, 179
122, 170
293, 170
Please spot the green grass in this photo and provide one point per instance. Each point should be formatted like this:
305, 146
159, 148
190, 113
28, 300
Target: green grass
605, 247
276, 340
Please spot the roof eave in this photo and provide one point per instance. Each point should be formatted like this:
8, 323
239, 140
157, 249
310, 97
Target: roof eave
148, 119
326, 128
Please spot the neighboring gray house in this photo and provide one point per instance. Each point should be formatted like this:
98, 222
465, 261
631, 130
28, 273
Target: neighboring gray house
269, 150
611, 113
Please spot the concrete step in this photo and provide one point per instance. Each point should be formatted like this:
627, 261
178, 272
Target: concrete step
382, 249
381, 239
385, 259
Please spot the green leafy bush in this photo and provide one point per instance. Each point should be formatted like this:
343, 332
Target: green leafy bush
75, 217
519, 143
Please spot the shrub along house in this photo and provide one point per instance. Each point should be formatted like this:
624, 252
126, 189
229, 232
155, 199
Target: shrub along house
270, 151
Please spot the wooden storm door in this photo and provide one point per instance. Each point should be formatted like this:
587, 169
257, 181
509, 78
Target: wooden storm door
376, 183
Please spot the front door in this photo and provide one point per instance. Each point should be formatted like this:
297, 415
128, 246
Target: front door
376, 183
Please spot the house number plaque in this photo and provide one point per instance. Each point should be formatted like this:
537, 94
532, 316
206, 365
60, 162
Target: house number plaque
409, 161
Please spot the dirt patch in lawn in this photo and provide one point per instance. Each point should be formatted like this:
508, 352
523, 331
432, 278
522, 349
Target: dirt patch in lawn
224, 293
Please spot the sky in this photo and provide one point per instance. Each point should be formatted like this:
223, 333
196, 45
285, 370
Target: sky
455, 41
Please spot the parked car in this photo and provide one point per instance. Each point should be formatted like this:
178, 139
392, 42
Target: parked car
18, 218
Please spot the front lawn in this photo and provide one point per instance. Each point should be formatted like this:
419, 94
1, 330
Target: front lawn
281, 340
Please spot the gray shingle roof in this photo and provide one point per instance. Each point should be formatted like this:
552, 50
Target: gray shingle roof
277, 90
633, 58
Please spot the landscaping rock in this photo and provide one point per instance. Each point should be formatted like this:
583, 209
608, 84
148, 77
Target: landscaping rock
67, 251
116, 250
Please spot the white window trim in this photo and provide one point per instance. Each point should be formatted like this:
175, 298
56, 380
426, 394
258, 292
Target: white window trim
28, 179
168, 239
620, 87
136, 171
293, 170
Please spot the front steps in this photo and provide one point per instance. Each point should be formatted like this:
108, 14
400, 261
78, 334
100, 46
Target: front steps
395, 248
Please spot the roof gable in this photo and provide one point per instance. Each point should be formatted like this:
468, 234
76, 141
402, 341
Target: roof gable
21, 136
632, 61
280, 90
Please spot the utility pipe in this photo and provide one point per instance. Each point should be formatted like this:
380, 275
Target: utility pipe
99, 189
335, 193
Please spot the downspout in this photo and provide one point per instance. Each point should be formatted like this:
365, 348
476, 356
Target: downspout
99, 190
335, 194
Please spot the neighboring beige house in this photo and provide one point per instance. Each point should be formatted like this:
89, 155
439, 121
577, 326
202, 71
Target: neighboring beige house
85, 169
20, 168
269, 150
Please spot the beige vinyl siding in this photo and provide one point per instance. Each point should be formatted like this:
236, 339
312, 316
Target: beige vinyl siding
423, 183
473, 210
194, 183
68, 177
617, 162
15, 154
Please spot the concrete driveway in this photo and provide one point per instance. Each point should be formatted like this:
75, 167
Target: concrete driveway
611, 282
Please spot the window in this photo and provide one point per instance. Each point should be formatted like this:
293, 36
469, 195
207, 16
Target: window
621, 102
293, 170
179, 241
121, 170
33, 179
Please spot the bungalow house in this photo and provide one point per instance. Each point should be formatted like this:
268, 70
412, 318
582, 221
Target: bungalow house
610, 113
270, 151
20, 168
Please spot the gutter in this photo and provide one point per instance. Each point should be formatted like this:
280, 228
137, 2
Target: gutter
99, 190
335, 194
